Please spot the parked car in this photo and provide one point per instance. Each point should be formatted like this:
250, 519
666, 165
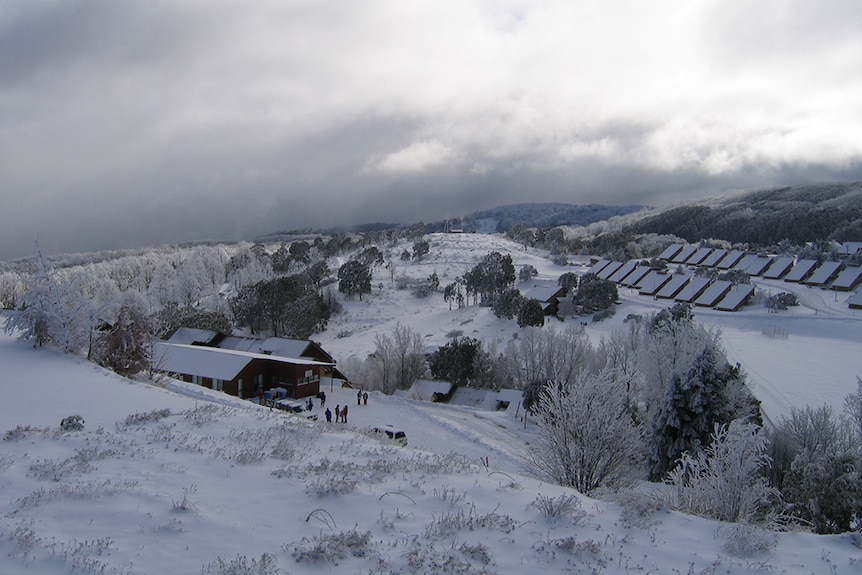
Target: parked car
392, 433
297, 407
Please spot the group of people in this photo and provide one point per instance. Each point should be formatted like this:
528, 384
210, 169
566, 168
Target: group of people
341, 411
340, 414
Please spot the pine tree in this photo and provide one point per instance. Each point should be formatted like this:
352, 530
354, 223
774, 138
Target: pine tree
694, 403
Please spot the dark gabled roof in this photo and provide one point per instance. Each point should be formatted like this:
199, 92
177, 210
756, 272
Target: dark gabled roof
544, 294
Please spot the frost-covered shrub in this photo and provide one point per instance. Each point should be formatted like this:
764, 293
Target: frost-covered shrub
727, 480
203, 414
744, 540
139, 418
241, 565
331, 485
72, 423
334, 548
559, 507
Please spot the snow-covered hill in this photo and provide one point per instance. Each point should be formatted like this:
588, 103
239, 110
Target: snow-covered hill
180, 479
817, 363
184, 480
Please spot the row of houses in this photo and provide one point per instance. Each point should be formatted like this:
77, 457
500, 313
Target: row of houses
244, 366
684, 286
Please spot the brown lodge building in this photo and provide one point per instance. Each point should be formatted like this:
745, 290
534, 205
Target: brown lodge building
244, 366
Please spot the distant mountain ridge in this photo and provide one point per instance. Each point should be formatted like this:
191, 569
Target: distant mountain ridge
802, 213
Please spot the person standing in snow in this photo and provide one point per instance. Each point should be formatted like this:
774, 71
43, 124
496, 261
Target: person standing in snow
359, 397
365, 398
328, 415
344, 414
337, 413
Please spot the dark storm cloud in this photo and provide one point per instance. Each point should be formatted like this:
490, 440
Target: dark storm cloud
129, 123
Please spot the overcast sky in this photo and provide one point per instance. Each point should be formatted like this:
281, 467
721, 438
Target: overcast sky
129, 123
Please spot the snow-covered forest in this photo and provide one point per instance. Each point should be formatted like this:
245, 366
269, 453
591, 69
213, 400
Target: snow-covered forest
648, 397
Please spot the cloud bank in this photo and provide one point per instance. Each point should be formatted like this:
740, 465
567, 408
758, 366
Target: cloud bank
130, 123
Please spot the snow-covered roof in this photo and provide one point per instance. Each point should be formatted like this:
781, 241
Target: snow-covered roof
778, 268
692, 290
190, 335
730, 260
198, 360
623, 271
683, 255
744, 262
213, 361
714, 258
670, 251
758, 265
800, 270
713, 293
425, 389
848, 278
855, 301
699, 256
825, 272
284, 347
542, 293
598, 266
609, 270
637, 275
673, 286
734, 298
653, 282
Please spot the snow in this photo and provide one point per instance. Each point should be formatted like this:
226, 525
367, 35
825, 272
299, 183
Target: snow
213, 477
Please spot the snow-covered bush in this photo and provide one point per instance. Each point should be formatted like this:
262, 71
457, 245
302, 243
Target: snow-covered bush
72, 423
727, 480
334, 548
558, 507
241, 565
587, 438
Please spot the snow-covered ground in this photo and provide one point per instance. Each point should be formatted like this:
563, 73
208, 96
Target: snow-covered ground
817, 363
184, 480
180, 479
